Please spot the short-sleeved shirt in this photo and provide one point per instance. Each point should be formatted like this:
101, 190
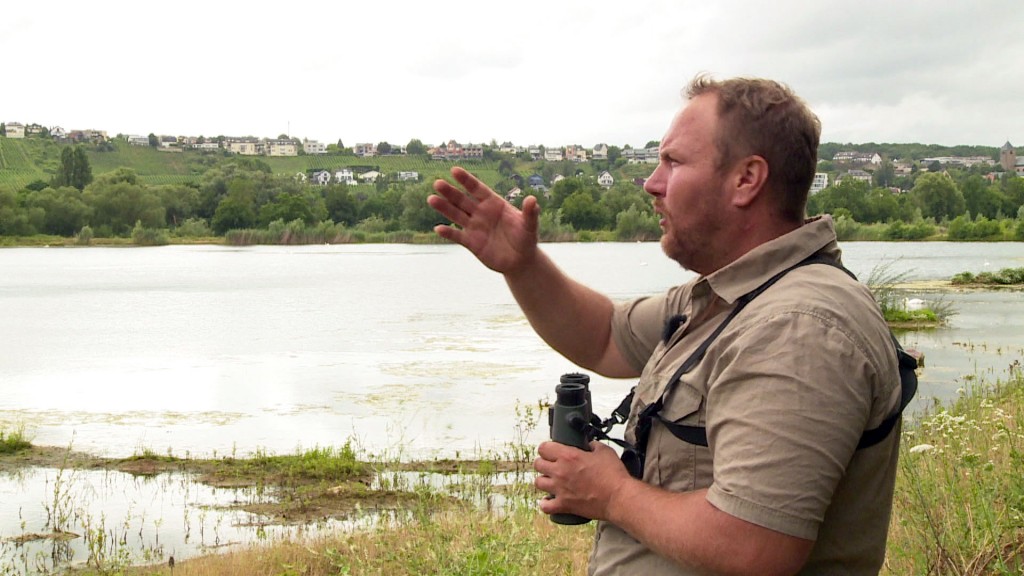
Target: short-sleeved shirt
785, 393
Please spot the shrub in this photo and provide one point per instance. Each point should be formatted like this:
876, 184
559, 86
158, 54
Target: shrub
84, 236
142, 236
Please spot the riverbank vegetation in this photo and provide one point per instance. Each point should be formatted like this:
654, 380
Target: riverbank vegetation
958, 508
54, 195
1004, 277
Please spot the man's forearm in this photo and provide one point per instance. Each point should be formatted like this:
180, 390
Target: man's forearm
689, 530
573, 319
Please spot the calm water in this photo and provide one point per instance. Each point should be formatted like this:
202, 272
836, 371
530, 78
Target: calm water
207, 349
414, 351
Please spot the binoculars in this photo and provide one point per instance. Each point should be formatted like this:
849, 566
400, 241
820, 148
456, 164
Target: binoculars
569, 419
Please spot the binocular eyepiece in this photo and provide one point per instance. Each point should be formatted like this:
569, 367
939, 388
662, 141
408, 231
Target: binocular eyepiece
569, 418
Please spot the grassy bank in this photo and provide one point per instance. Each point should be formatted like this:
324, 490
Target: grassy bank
959, 509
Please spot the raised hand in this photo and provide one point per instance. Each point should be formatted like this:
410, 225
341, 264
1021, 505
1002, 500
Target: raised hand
502, 237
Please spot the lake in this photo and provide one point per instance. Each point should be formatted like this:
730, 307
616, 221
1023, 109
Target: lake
406, 350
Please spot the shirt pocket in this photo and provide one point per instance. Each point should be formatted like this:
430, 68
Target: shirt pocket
672, 463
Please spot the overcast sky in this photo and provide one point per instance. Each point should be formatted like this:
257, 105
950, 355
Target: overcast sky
550, 72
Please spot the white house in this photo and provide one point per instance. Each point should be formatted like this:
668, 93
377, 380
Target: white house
553, 154
15, 130
322, 177
600, 152
820, 182
344, 176
138, 140
605, 179
369, 177
408, 176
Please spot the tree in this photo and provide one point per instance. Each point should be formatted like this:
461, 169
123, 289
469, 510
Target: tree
119, 204
849, 195
287, 207
614, 152
583, 212
416, 214
341, 206
637, 224
624, 195
153, 140
881, 205
180, 202
74, 169
885, 175
563, 189
383, 148
231, 214
415, 147
65, 212
980, 198
938, 196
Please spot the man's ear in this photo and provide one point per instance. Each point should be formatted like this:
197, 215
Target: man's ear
749, 178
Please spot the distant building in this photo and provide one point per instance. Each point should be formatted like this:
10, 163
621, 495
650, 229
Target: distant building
365, 149
857, 175
14, 130
244, 146
854, 157
1008, 157
345, 176
313, 147
820, 182
286, 147
605, 179
137, 140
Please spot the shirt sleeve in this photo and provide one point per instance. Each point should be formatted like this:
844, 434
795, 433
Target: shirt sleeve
637, 326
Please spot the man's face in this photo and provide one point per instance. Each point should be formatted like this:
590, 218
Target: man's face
688, 188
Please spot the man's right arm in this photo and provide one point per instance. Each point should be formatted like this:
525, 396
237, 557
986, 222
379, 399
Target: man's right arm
572, 318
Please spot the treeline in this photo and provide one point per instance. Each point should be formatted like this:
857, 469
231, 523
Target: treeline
953, 205
241, 199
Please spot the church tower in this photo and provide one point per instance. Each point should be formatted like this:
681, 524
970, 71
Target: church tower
1008, 157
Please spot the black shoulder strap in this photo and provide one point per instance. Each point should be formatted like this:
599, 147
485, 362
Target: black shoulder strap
698, 434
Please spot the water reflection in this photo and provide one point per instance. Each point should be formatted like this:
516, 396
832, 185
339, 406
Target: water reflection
55, 518
58, 518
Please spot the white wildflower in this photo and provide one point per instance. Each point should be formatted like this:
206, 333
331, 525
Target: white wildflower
921, 448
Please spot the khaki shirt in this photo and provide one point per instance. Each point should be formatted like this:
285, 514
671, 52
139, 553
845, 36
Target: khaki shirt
785, 392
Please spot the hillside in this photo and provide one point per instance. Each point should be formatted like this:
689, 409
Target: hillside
23, 161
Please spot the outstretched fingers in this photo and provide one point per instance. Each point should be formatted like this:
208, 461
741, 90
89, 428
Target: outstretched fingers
477, 189
451, 203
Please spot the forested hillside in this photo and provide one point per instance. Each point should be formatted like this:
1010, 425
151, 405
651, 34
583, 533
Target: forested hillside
112, 190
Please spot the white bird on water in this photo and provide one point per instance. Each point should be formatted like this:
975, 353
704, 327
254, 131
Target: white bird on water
911, 304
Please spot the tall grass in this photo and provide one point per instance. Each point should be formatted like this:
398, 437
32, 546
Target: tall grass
959, 506
12, 441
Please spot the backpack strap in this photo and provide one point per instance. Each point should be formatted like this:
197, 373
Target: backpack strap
698, 434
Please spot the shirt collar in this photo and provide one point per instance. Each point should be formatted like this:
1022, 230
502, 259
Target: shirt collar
755, 267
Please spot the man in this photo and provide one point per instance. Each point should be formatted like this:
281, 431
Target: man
785, 390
